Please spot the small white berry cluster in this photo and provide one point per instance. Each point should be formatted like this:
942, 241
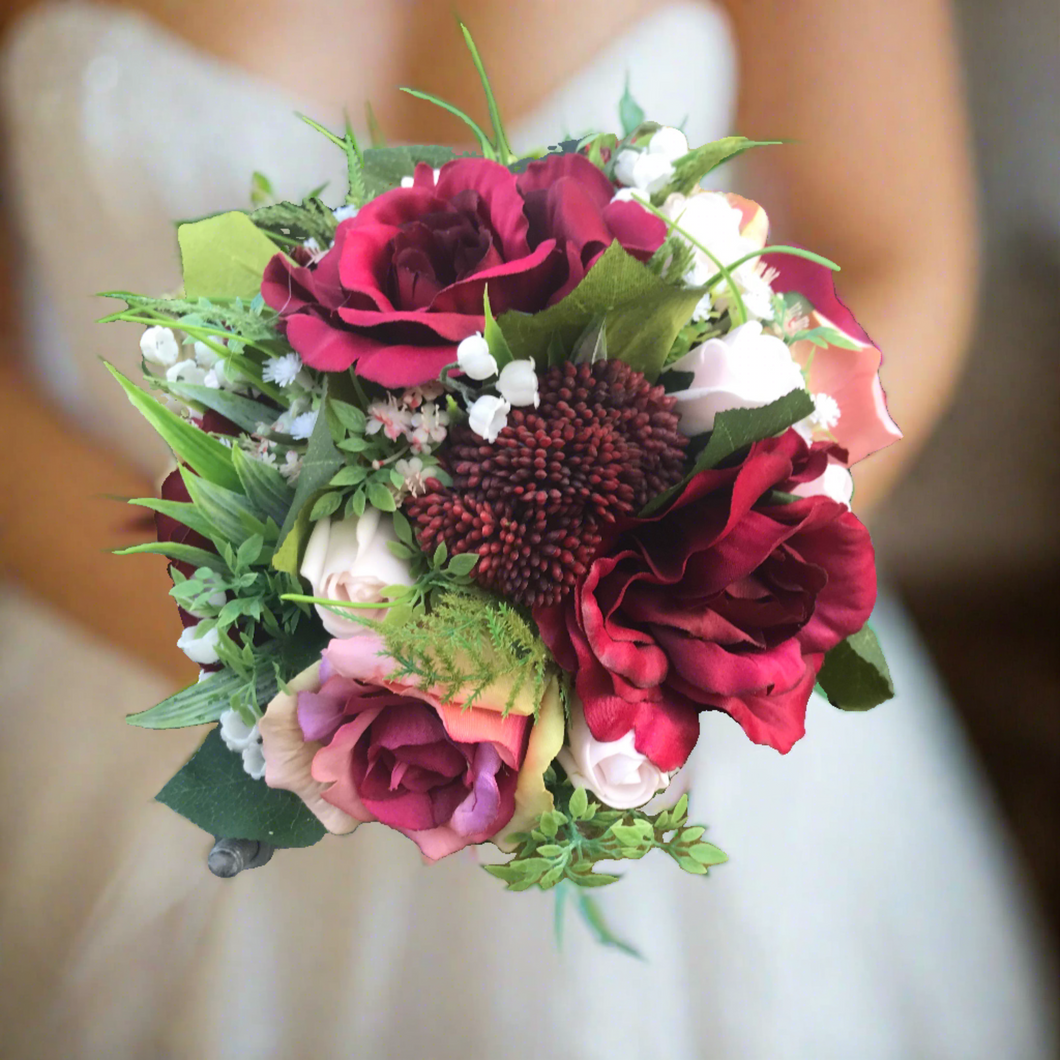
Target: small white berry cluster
516, 386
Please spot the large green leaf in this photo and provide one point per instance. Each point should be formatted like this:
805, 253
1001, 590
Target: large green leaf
196, 448
321, 461
643, 314
855, 675
213, 791
736, 429
385, 166
233, 517
185, 514
224, 256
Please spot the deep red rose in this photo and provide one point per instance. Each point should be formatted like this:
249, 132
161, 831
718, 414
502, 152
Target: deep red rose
721, 602
405, 279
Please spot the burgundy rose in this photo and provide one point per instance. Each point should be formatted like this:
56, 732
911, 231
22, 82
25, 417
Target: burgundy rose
406, 277
724, 601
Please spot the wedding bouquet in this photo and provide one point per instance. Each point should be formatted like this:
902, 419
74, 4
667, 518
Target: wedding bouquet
488, 483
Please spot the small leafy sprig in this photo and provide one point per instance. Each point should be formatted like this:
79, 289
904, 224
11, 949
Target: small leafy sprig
568, 841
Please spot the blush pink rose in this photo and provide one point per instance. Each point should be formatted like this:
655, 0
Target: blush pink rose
850, 377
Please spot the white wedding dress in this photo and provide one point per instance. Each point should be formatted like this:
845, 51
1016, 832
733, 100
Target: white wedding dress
872, 907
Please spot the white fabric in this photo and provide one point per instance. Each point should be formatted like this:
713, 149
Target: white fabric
871, 908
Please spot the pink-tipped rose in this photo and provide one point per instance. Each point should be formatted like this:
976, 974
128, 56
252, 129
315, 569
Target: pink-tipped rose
854, 412
357, 746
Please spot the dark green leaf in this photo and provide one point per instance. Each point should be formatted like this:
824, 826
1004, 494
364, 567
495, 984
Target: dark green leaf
736, 429
385, 166
185, 514
855, 675
264, 486
693, 167
197, 557
230, 513
196, 448
320, 463
213, 791
242, 411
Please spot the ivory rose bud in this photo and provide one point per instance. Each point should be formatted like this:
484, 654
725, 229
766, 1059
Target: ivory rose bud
348, 561
745, 369
613, 770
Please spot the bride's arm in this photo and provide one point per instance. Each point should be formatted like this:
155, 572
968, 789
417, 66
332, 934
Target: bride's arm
59, 519
878, 178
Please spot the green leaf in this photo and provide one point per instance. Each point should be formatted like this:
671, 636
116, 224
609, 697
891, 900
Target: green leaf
463, 564
185, 514
707, 854
213, 791
325, 505
500, 139
242, 411
385, 166
350, 416
196, 448
398, 549
320, 463
247, 554
264, 486
476, 130
403, 528
310, 220
579, 803
493, 335
643, 314
224, 256
736, 429
630, 114
352, 475
441, 554
594, 918
855, 675
693, 167
197, 557
230, 513
380, 497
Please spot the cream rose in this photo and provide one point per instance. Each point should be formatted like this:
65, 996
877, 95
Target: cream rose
613, 770
348, 561
745, 369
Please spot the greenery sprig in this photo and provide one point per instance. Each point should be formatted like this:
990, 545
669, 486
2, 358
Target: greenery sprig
568, 842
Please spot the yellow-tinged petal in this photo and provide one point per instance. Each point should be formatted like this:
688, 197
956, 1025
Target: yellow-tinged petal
289, 757
546, 739
754, 224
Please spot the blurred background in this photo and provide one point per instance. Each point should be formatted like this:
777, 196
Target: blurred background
969, 536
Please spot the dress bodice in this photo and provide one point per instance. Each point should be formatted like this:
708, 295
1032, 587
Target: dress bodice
117, 128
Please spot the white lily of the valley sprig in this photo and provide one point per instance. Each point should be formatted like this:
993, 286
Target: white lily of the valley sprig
652, 169
517, 384
488, 416
201, 650
244, 740
159, 346
474, 358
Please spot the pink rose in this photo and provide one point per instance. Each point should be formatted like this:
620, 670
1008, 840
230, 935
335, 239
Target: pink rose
357, 746
859, 422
